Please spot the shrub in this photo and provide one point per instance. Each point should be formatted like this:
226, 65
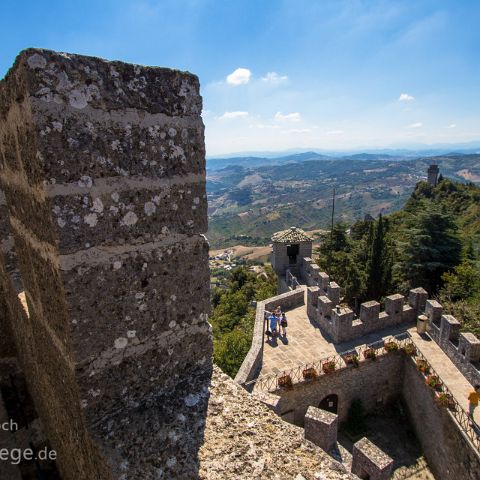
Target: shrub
309, 373
328, 367
391, 346
370, 353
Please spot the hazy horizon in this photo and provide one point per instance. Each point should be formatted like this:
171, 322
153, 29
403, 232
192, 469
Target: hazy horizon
277, 75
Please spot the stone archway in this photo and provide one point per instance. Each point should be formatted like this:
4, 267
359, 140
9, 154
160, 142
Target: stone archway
329, 403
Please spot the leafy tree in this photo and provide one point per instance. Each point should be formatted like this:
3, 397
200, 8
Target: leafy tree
230, 350
233, 314
463, 282
432, 248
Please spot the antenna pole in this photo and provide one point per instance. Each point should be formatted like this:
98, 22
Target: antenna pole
333, 213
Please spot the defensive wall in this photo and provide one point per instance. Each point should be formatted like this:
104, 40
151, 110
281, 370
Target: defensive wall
463, 348
103, 175
450, 444
102, 215
253, 361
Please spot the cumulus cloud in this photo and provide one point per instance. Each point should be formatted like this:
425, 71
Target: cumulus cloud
274, 78
452, 125
405, 97
416, 125
335, 132
229, 115
241, 76
289, 117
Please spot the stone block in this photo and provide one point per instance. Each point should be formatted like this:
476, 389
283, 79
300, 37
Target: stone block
394, 307
333, 293
408, 314
342, 319
370, 462
324, 280
325, 306
417, 298
369, 312
321, 428
312, 301
449, 329
469, 347
433, 310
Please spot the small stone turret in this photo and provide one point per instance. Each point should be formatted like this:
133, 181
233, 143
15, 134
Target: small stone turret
289, 248
432, 173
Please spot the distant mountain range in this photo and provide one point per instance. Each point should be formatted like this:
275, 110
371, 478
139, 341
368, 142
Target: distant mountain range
256, 159
249, 198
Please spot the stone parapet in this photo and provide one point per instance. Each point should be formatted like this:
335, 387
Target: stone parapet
370, 462
321, 428
102, 166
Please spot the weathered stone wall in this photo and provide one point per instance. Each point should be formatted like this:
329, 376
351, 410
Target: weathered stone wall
343, 325
462, 348
245, 440
376, 383
103, 169
445, 447
253, 361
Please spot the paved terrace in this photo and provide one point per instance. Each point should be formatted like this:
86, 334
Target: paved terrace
305, 343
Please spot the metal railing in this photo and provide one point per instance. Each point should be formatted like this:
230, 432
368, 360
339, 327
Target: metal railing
297, 375
463, 419
273, 382
291, 280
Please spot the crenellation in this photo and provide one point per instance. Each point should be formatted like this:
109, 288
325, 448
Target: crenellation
369, 314
417, 299
324, 281
433, 310
333, 292
394, 307
370, 462
321, 428
469, 347
449, 329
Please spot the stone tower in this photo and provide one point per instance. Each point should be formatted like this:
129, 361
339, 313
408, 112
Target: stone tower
102, 166
288, 250
433, 175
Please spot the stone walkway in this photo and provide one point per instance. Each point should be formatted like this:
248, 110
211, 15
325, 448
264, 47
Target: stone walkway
451, 376
305, 343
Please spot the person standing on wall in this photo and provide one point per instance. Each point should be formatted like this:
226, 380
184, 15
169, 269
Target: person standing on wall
473, 397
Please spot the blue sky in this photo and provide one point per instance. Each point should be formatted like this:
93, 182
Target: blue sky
281, 74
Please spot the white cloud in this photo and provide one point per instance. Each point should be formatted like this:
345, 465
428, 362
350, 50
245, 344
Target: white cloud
452, 125
274, 78
297, 130
241, 76
230, 115
416, 125
290, 117
405, 97
335, 132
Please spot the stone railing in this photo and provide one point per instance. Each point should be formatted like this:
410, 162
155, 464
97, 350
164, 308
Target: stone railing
463, 348
253, 361
343, 325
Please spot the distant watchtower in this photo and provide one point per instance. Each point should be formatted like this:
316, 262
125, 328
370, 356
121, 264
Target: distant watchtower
433, 175
289, 248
